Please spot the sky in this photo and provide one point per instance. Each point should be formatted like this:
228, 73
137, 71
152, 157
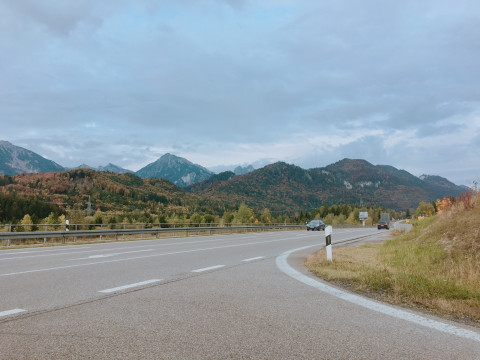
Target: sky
236, 82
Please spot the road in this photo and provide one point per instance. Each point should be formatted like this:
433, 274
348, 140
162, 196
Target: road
238, 296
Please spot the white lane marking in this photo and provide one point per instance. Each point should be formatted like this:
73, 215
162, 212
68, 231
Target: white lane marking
109, 255
11, 312
143, 257
124, 287
255, 258
282, 264
48, 249
208, 268
64, 253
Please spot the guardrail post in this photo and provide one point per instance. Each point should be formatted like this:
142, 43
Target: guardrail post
101, 228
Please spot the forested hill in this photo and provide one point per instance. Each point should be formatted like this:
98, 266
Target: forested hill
279, 187
285, 187
108, 192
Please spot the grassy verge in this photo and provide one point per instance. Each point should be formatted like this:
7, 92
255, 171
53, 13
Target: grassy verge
436, 266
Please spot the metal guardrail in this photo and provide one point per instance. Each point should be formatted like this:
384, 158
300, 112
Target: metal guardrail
402, 226
117, 233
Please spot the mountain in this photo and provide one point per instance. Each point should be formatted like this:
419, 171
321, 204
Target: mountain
114, 169
17, 160
285, 187
84, 166
241, 170
109, 168
178, 170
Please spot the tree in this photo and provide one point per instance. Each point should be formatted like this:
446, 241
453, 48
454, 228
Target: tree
227, 218
98, 218
425, 209
244, 215
51, 220
27, 220
209, 219
266, 217
196, 219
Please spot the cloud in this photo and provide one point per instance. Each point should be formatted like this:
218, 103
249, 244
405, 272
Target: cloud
234, 81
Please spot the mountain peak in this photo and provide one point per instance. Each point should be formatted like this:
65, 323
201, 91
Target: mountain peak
16, 160
114, 169
4, 143
176, 169
241, 170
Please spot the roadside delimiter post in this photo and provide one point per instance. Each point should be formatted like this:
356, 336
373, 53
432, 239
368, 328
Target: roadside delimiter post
328, 242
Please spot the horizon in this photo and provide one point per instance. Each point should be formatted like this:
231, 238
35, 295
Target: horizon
227, 168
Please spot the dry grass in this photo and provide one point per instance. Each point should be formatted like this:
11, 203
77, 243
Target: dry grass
436, 266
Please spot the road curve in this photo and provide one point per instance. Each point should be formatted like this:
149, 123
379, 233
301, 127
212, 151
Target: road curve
214, 297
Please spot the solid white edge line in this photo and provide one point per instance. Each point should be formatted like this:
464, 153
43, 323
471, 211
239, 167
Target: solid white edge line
255, 258
11, 312
208, 268
130, 286
282, 264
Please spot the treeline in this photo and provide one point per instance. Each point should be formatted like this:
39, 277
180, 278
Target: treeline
30, 213
14, 207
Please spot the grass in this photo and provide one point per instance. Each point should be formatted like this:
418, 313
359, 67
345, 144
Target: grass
436, 266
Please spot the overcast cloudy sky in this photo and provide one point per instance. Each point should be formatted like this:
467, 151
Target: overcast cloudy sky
227, 82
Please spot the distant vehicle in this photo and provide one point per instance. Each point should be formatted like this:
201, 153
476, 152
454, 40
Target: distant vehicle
316, 225
385, 217
382, 225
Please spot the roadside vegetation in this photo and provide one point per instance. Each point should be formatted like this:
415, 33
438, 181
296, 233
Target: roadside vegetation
26, 215
436, 266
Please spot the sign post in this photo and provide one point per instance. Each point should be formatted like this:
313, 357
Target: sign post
328, 242
363, 215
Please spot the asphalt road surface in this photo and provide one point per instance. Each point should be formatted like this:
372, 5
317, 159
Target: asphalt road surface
238, 296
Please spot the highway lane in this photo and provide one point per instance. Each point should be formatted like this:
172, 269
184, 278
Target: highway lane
37, 279
198, 297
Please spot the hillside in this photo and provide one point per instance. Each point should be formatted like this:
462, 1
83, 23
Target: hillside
435, 266
108, 191
284, 187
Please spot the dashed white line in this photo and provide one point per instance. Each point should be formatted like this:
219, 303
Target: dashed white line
143, 257
255, 258
208, 268
100, 256
11, 312
124, 287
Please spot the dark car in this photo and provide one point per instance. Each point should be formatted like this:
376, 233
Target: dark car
382, 225
315, 225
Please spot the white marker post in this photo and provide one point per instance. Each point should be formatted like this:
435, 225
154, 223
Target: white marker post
328, 242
